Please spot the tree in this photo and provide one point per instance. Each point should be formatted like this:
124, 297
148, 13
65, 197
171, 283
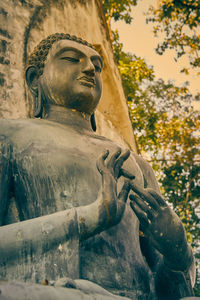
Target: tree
179, 20
117, 10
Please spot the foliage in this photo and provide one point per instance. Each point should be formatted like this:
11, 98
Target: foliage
133, 71
179, 20
118, 10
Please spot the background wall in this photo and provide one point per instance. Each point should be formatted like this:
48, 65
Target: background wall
24, 23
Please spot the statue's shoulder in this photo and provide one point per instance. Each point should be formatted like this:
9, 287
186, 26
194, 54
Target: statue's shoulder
141, 161
147, 171
9, 127
15, 131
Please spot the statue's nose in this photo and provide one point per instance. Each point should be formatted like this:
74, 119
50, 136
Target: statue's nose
89, 68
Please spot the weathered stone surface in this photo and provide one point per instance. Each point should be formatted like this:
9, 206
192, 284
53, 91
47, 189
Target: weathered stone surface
25, 23
85, 290
190, 298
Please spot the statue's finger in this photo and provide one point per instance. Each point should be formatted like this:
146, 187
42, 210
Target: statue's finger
142, 217
101, 161
123, 195
159, 199
113, 158
119, 162
126, 174
143, 206
145, 196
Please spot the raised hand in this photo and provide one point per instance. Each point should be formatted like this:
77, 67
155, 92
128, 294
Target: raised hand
161, 225
114, 164
113, 205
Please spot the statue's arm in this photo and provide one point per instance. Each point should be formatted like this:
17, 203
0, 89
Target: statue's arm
43, 233
166, 248
169, 283
34, 235
37, 235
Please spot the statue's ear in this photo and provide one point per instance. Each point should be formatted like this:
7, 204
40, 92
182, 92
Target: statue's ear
93, 122
35, 88
32, 79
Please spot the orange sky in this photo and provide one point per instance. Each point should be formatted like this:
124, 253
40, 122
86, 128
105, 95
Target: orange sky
138, 38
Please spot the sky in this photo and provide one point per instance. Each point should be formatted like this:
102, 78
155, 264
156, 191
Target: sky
138, 38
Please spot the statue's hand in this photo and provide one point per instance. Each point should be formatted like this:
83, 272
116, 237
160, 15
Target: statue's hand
162, 226
113, 205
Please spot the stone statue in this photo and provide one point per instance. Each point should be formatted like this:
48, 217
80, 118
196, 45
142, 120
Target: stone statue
74, 205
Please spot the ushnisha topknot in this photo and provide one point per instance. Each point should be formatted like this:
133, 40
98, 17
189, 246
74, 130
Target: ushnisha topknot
38, 56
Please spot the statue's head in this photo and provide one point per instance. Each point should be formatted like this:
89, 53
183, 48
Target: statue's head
65, 70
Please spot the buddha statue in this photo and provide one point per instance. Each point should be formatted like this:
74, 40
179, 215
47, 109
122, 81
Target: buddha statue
75, 205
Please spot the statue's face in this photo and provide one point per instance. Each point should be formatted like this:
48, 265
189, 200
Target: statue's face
72, 76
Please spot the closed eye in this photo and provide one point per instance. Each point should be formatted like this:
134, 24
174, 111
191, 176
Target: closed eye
72, 59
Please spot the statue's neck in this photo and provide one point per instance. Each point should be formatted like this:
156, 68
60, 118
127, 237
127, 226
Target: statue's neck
69, 117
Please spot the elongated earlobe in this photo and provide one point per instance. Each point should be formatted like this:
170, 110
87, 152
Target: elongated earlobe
38, 103
35, 88
93, 122
32, 79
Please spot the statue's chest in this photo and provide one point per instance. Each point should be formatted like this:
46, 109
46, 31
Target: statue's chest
58, 174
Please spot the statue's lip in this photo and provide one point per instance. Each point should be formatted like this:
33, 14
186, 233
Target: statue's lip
88, 81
